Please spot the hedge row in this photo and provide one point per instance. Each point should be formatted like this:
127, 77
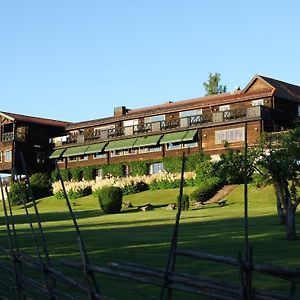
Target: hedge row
136, 168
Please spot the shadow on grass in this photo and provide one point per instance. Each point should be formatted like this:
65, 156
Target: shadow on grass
147, 242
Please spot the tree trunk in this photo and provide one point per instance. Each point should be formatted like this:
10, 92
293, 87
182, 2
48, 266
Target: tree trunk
290, 222
279, 201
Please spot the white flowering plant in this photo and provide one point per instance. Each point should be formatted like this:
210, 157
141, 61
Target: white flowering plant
129, 185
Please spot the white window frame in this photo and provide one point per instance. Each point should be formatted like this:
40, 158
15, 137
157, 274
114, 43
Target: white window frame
1, 154
233, 135
149, 149
257, 102
123, 152
9, 153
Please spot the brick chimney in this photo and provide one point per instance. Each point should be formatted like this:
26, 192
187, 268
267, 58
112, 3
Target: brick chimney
120, 111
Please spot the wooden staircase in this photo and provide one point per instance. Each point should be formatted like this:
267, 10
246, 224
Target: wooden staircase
222, 193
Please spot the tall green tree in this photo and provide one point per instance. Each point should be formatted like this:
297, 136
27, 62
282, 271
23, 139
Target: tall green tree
280, 155
212, 85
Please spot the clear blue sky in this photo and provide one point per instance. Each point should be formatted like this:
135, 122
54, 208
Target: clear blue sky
77, 60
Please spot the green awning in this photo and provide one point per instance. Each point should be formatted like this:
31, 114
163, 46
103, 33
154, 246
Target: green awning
56, 153
122, 144
190, 134
173, 137
74, 151
147, 141
95, 148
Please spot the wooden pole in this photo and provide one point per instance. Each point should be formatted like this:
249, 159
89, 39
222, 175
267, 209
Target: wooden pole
88, 275
16, 274
172, 254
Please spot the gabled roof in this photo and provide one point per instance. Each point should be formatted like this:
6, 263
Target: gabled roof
36, 120
279, 88
283, 89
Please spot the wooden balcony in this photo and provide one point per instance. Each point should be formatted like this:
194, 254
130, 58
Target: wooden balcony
215, 118
10, 137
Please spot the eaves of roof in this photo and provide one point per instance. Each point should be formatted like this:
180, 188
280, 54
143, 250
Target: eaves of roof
202, 102
35, 120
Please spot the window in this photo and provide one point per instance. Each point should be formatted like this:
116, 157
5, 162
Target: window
190, 144
130, 126
157, 118
226, 111
99, 173
72, 158
102, 132
8, 156
230, 135
1, 156
149, 149
155, 121
99, 155
257, 102
187, 116
83, 157
224, 107
156, 168
298, 110
172, 146
123, 152
40, 157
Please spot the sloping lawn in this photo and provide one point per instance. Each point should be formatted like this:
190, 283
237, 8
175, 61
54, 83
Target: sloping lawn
144, 237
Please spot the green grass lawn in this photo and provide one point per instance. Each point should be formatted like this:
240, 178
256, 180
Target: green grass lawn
144, 237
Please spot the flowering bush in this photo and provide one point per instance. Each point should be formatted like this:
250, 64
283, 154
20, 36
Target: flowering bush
73, 189
129, 185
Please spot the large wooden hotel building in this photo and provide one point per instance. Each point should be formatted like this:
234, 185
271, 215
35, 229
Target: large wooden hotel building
151, 133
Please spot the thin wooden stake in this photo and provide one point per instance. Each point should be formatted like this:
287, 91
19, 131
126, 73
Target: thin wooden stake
19, 293
88, 275
172, 253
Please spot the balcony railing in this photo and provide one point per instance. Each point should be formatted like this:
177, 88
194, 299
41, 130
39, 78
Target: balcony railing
163, 126
10, 136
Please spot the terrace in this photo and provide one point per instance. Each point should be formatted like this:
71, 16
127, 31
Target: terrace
196, 121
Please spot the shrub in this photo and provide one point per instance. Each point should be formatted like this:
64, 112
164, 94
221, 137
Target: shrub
206, 189
205, 170
172, 164
185, 202
74, 194
88, 173
65, 174
116, 170
40, 185
18, 193
135, 188
54, 175
194, 160
138, 168
261, 179
74, 189
76, 174
110, 199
